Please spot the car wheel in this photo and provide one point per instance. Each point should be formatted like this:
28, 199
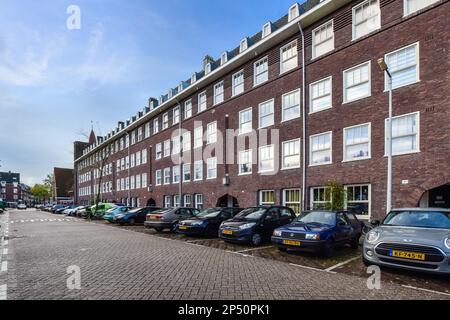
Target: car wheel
328, 248
131, 222
355, 242
159, 229
174, 227
256, 239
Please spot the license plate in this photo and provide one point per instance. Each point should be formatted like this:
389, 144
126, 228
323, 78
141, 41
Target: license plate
229, 232
408, 255
292, 243
182, 227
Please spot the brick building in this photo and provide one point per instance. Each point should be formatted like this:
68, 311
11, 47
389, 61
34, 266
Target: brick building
62, 185
269, 122
12, 191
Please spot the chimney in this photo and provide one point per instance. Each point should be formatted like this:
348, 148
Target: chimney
206, 60
152, 103
121, 125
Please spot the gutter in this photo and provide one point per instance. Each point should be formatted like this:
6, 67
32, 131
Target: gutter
303, 118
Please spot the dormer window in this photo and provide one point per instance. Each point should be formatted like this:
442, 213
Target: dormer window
193, 78
170, 93
267, 29
243, 45
294, 12
208, 68
160, 100
224, 58
180, 87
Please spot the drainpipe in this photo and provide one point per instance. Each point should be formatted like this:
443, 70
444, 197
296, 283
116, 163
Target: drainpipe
129, 169
180, 164
303, 118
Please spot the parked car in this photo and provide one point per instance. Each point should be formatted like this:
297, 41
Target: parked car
411, 238
207, 222
319, 231
169, 218
57, 208
111, 213
72, 212
22, 206
97, 212
63, 209
255, 225
135, 216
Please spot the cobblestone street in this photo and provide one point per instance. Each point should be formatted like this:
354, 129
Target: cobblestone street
122, 264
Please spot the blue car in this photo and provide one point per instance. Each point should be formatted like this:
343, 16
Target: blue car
319, 231
111, 213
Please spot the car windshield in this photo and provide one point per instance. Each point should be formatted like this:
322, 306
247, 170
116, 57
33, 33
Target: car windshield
251, 214
162, 211
418, 219
323, 217
135, 210
209, 213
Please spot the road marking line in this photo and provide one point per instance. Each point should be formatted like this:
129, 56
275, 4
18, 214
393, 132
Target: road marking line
426, 290
342, 263
4, 266
31, 220
12, 222
254, 249
21, 221
3, 290
5, 242
5, 251
311, 268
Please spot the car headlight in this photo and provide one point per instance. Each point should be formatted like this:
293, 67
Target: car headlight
372, 236
277, 233
247, 226
447, 243
312, 236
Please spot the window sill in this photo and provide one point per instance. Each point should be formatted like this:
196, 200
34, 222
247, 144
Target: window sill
288, 120
320, 164
245, 174
321, 110
403, 153
403, 86
356, 100
356, 160
290, 168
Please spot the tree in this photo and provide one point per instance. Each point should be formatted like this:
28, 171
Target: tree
42, 192
337, 195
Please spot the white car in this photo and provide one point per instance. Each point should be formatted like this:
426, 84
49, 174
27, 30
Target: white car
22, 207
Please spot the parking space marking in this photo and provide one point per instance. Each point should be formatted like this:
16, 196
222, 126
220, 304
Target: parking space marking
4, 266
3, 291
311, 268
426, 290
342, 263
254, 249
5, 251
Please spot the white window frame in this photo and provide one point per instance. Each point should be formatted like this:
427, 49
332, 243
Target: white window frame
311, 149
366, 20
260, 198
209, 163
417, 134
314, 43
200, 104
346, 87
188, 170
197, 164
166, 143
211, 136
260, 158
187, 141
288, 46
158, 151
272, 102
240, 124
311, 95
405, 7
198, 198
176, 172
167, 174
188, 109
176, 115
158, 178
287, 204
283, 107
311, 197
255, 76
187, 203
198, 138
369, 143
417, 64
165, 123
250, 156
283, 155
219, 97
369, 201
155, 125
234, 86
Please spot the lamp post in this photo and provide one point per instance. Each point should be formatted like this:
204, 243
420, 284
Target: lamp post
385, 68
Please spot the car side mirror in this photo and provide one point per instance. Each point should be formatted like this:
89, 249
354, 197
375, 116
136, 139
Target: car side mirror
375, 222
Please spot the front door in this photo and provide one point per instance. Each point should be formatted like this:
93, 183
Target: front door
440, 197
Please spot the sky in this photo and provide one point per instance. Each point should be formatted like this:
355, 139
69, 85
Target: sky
55, 81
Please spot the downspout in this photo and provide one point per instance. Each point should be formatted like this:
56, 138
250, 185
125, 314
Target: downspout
180, 164
303, 118
129, 170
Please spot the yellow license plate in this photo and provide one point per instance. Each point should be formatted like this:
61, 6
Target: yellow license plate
292, 243
229, 232
408, 255
182, 227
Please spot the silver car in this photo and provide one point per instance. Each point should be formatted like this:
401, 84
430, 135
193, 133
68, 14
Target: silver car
411, 238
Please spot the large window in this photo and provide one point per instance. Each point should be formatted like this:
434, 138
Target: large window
198, 170
320, 95
198, 201
261, 71
176, 115
245, 121
186, 172
266, 114
198, 137
292, 199
411, 6
167, 202
158, 151
289, 58
187, 200
404, 66
267, 198
202, 102
211, 133
176, 174
165, 121
358, 200
155, 126
238, 83
188, 109
321, 148
266, 158
186, 141
290, 105
176, 145
320, 198
245, 162
167, 176
366, 18
211, 168
166, 148
291, 154
357, 82
218, 93
405, 134
323, 39
357, 142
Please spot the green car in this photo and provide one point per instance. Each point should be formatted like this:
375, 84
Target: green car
111, 213
101, 210
2, 204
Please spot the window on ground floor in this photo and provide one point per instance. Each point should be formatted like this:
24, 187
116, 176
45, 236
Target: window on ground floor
199, 201
319, 198
292, 199
358, 200
166, 201
187, 200
266, 197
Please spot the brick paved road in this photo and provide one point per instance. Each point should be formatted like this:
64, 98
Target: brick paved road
121, 264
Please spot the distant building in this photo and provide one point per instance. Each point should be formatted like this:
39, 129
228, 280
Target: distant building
12, 191
62, 185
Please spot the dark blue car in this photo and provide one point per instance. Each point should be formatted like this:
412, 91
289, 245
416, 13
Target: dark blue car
319, 231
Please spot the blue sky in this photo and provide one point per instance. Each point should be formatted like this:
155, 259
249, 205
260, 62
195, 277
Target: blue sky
55, 81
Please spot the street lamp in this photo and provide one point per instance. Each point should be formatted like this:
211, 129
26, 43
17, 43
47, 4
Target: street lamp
385, 68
